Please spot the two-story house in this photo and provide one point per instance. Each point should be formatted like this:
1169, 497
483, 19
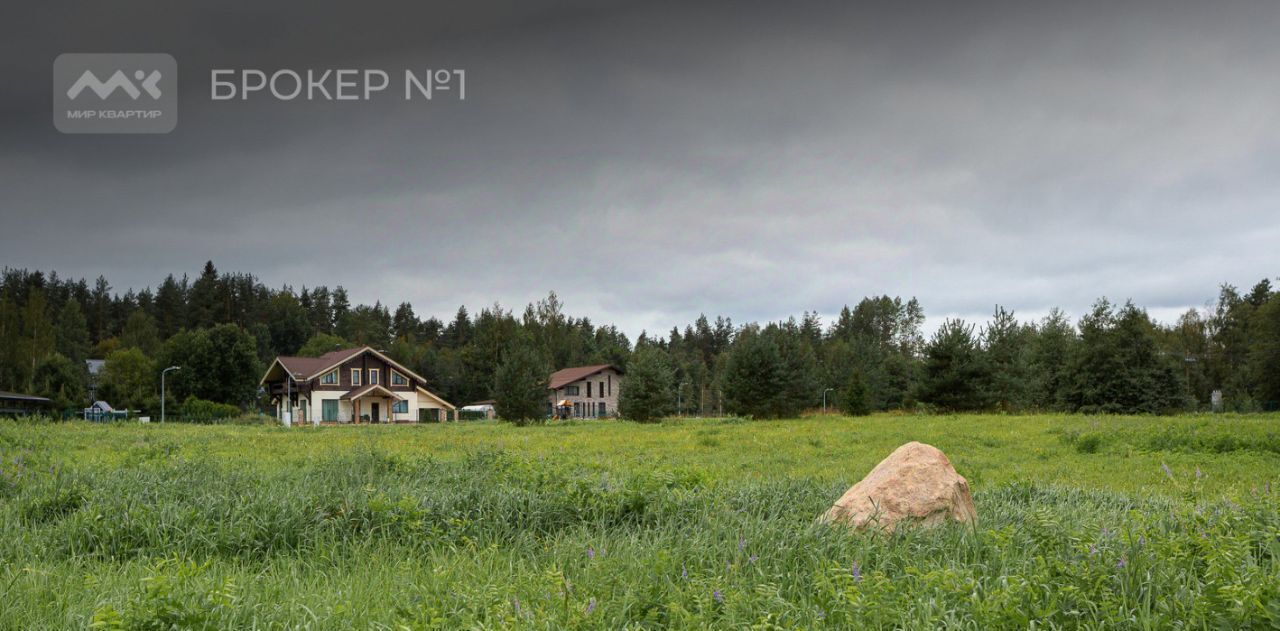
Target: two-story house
585, 391
356, 385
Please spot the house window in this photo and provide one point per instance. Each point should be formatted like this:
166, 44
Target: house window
588, 389
601, 409
329, 410
610, 377
330, 378
601, 385
571, 391
374, 376
400, 407
355, 376
398, 379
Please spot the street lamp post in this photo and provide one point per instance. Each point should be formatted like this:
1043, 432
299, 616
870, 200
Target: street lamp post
824, 399
162, 374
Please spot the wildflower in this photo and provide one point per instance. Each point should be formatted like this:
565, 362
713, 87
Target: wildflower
822, 615
591, 606
1121, 563
1198, 474
591, 553
515, 604
1142, 541
684, 572
856, 571
1093, 550
742, 543
715, 593
753, 559
1166, 470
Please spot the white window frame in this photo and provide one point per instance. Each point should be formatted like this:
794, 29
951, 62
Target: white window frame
396, 404
404, 381
355, 377
375, 376
324, 379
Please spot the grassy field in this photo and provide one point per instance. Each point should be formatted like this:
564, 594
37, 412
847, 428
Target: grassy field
1084, 522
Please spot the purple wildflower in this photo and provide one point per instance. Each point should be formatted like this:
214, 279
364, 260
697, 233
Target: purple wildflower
515, 603
1166, 470
1093, 550
856, 571
1142, 541
591, 553
684, 572
715, 593
753, 558
822, 615
1198, 474
591, 606
742, 543
1121, 563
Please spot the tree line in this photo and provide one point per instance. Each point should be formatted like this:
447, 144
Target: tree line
223, 328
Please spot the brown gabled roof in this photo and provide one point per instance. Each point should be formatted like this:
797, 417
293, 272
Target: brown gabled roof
359, 392
307, 367
304, 368
561, 378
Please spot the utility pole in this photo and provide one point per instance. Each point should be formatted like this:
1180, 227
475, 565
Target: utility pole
824, 399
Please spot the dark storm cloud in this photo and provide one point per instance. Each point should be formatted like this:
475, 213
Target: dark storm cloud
650, 162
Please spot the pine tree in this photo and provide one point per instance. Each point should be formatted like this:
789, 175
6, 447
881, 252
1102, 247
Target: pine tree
646, 393
956, 374
520, 385
72, 336
206, 305
855, 400
171, 306
288, 324
1050, 350
1007, 355
753, 383
100, 310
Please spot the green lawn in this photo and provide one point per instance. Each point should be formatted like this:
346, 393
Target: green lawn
689, 523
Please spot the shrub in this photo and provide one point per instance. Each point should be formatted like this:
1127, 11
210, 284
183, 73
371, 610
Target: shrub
194, 408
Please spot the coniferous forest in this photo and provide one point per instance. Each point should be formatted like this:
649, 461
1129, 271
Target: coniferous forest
223, 329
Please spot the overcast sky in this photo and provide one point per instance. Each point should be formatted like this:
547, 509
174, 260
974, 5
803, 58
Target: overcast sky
651, 161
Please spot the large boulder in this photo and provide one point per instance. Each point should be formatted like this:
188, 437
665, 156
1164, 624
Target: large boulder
915, 484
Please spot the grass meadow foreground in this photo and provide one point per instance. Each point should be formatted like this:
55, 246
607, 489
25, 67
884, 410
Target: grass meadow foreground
1083, 523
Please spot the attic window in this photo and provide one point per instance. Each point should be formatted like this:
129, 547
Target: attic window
330, 378
398, 379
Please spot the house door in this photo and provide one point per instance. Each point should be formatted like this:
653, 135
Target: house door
373, 413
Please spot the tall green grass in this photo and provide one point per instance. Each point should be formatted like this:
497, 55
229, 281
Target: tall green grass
694, 524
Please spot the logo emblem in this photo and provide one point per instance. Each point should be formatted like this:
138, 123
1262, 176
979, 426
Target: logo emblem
138, 95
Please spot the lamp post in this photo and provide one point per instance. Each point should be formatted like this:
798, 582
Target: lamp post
162, 374
824, 399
